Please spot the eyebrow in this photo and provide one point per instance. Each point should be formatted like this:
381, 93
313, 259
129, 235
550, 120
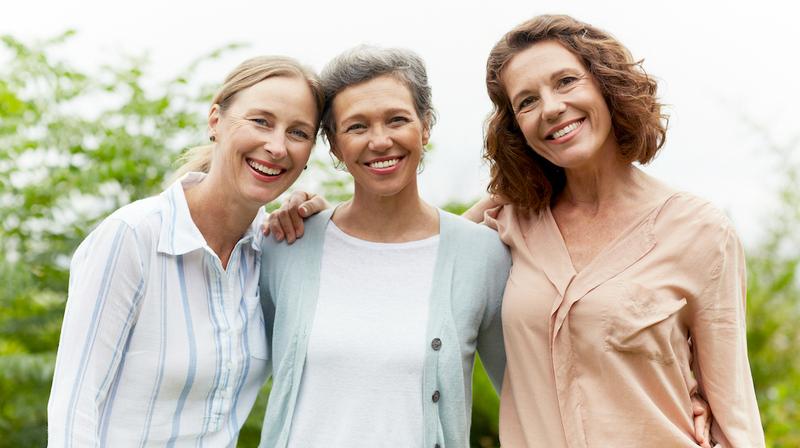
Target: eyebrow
362, 116
553, 76
272, 115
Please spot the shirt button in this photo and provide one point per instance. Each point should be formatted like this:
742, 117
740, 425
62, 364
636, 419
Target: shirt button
229, 364
437, 446
435, 396
436, 343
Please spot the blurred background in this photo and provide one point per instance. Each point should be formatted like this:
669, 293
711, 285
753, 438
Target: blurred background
98, 99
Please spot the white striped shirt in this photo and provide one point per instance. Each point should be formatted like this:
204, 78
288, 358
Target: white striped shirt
160, 346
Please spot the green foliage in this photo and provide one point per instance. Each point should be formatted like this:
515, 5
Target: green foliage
773, 311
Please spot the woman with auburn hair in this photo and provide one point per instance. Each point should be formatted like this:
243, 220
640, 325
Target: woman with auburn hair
163, 341
626, 296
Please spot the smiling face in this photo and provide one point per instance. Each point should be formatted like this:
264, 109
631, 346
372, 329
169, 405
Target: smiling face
379, 136
558, 106
263, 139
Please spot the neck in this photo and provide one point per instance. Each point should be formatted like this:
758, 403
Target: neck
390, 219
221, 218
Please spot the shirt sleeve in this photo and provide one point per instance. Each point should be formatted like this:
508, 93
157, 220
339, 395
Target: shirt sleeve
490, 337
105, 287
720, 344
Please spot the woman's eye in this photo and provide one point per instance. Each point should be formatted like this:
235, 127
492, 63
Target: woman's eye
399, 119
260, 121
301, 134
567, 80
526, 103
355, 127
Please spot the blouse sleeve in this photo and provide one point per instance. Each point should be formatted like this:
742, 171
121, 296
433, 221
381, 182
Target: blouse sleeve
106, 284
720, 345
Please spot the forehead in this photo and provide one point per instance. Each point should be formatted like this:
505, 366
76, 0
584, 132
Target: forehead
290, 92
537, 63
373, 96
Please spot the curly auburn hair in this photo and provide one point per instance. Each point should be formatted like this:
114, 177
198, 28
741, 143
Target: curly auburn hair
521, 175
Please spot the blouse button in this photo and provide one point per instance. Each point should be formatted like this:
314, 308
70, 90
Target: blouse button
435, 396
436, 343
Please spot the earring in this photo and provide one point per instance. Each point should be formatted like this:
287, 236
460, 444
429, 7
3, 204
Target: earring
213, 138
305, 168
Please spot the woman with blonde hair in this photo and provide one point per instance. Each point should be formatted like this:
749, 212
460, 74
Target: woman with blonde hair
163, 340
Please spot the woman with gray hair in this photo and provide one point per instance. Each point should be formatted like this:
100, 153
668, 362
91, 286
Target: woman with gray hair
378, 311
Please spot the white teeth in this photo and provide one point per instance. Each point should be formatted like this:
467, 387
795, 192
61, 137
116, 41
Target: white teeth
264, 169
383, 163
566, 129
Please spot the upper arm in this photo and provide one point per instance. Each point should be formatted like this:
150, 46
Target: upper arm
720, 344
490, 338
106, 285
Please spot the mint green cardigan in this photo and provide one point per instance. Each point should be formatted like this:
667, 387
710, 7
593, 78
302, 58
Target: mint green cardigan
470, 275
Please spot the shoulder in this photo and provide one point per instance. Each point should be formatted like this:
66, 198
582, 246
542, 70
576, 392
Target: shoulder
137, 213
141, 218
312, 239
693, 214
698, 229
470, 239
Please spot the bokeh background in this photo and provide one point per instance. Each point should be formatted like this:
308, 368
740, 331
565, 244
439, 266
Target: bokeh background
97, 99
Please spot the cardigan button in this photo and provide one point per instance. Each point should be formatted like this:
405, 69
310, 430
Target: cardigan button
436, 343
435, 396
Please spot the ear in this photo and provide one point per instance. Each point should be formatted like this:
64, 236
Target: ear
335, 151
426, 135
213, 119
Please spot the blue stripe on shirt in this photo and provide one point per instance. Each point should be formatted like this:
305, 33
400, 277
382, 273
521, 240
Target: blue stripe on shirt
88, 344
162, 356
208, 411
126, 331
176, 419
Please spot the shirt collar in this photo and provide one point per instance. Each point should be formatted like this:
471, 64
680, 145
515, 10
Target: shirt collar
179, 234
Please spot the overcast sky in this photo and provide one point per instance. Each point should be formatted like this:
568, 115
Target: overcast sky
723, 67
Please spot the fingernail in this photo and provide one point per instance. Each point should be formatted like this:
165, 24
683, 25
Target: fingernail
303, 210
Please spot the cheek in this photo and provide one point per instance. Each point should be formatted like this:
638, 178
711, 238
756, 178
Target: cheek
300, 152
529, 130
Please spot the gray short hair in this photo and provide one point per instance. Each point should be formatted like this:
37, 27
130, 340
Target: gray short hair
364, 63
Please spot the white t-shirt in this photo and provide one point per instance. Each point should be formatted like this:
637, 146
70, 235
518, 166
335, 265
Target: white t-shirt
362, 379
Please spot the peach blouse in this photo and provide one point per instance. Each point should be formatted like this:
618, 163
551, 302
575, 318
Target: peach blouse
610, 356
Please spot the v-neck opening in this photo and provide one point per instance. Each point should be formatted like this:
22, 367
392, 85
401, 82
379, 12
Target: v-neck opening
617, 241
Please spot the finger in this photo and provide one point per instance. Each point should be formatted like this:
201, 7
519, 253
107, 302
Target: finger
286, 226
707, 433
698, 430
265, 227
297, 222
295, 199
702, 422
275, 227
313, 206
